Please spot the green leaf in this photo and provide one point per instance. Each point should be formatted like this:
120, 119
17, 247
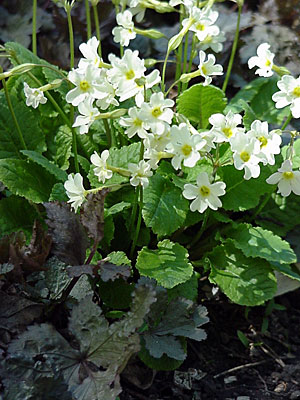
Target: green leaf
58, 193
26, 179
117, 208
258, 242
287, 270
199, 102
244, 194
258, 94
16, 214
168, 265
63, 142
10, 141
246, 281
188, 289
118, 258
44, 162
163, 201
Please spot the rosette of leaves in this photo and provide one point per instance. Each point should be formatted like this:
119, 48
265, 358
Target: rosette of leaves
169, 324
85, 368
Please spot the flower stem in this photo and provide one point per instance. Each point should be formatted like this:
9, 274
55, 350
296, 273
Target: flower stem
202, 229
108, 133
261, 206
34, 8
179, 53
74, 139
234, 47
88, 19
189, 68
164, 72
286, 122
97, 26
71, 38
11, 109
138, 224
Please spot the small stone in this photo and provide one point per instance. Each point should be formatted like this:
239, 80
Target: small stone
230, 379
295, 395
243, 398
281, 387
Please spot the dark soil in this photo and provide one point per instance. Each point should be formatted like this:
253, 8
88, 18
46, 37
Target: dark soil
269, 368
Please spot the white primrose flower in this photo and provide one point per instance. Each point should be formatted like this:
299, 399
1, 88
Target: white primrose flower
287, 180
245, 155
101, 170
269, 141
107, 96
127, 76
75, 190
213, 42
184, 146
208, 68
137, 9
89, 51
140, 173
87, 117
204, 194
289, 94
204, 22
263, 60
157, 113
225, 127
87, 84
125, 31
34, 96
134, 124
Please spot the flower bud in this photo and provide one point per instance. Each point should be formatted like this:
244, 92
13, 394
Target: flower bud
151, 33
150, 62
280, 70
19, 69
112, 114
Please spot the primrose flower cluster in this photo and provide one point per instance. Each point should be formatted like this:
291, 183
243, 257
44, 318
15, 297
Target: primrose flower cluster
100, 87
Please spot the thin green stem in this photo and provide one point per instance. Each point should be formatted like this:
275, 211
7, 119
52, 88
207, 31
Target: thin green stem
139, 220
286, 122
179, 53
234, 47
171, 87
74, 139
185, 53
185, 85
97, 26
164, 72
134, 209
88, 19
34, 8
108, 132
261, 206
201, 230
71, 38
11, 109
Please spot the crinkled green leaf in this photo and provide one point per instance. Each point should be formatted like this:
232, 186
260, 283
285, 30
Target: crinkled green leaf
168, 265
45, 163
199, 102
169, 345
117, 208
296, 154
58, 193
258, 94
258, 242
246, 281
16, 214
10, 141
244, 194
188, 289
163, 201
63, 142
118, 258
26, 179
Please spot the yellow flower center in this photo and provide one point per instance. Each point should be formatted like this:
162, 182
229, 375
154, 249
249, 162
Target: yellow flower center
137, 122
84, 86
268, 63
186, 149
130, 74
156, 112
245, 156
204, 70
200, 27
204, 191
296, 91
227, 132
263, 141
288, 175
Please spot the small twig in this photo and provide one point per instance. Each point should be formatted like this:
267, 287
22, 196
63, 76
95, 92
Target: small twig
239, 367
272, 354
